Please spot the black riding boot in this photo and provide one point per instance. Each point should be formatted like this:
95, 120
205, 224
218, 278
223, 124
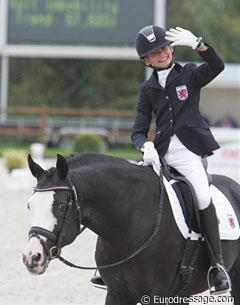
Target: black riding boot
217, 275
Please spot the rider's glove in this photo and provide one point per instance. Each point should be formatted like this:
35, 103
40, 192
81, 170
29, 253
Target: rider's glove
150, 156
181, 37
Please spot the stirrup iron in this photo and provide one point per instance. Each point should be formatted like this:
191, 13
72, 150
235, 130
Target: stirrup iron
212, 290
97, 281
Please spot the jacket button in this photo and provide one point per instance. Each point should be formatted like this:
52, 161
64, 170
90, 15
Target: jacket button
171, 121
170, 108
167, 97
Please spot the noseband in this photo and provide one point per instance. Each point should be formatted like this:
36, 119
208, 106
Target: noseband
37, 232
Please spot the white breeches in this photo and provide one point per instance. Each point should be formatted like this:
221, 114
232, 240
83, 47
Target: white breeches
190, 166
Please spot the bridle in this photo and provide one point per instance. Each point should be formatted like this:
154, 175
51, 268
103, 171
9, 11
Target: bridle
55, 250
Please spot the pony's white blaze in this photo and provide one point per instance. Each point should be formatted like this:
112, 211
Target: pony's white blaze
40, 204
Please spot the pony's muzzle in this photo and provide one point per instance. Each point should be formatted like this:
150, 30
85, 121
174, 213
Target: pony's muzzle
34, 257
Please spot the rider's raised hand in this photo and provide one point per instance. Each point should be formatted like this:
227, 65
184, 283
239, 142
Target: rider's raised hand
182, 37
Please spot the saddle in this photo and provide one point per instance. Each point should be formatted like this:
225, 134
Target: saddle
185, 194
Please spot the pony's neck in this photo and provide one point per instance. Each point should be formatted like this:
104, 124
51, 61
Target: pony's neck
114, 199
106, 205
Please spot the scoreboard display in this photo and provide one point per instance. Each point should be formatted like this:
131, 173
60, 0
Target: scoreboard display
77, 22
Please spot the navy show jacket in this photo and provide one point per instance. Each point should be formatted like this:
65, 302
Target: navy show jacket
176, 107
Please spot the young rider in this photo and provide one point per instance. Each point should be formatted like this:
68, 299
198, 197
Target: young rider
182, 135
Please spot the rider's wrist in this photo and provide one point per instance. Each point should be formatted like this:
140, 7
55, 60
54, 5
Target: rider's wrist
202, 47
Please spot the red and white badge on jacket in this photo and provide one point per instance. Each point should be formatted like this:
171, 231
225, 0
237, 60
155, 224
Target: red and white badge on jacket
182, 92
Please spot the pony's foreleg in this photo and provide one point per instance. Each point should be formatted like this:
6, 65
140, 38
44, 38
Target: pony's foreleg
235, 277
114, 299
110, 300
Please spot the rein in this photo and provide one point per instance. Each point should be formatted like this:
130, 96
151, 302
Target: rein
55, 251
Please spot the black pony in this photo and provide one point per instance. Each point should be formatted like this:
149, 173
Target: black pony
121, 203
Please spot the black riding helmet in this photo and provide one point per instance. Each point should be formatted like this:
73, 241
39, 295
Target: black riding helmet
150, 39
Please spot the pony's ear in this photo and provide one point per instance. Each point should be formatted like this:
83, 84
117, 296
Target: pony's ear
35, 169
62, 167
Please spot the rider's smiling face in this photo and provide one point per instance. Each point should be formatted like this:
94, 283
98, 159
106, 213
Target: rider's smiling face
160, 58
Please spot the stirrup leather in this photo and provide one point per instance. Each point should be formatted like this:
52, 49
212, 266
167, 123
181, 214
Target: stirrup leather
213, 290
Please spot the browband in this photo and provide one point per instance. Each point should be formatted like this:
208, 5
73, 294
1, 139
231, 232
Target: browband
52, 188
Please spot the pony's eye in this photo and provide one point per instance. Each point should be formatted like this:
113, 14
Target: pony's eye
28, 206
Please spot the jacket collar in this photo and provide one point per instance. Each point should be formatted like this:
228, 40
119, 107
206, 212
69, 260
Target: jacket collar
153, 80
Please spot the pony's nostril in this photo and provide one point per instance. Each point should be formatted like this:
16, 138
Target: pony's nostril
36, 258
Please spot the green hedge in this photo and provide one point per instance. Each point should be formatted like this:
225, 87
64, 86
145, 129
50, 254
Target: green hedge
13, 158
88, 143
